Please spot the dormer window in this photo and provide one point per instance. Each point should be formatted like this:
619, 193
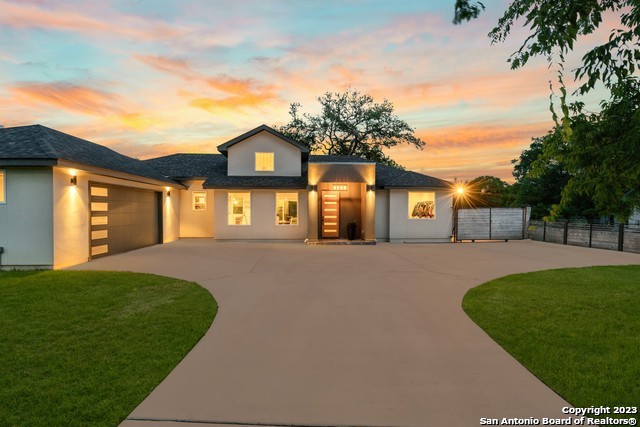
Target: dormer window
264, 162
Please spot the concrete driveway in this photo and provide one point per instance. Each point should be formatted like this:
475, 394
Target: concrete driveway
346, 335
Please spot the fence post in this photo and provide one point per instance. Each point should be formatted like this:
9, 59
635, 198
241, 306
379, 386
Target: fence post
490, 220
621, 237
544, 230
590, 233
566, 232
524, 221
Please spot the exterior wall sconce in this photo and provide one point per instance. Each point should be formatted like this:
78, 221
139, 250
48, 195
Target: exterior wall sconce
74, 180
312, 188
371, 187
168, 193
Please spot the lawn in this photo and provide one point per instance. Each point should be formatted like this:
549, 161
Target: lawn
577, 329
85, 348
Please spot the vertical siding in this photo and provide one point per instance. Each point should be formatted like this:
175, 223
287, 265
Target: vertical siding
382, 215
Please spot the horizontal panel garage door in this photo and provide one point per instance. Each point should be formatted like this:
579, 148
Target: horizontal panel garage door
123, 219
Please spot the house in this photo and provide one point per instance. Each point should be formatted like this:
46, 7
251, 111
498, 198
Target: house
65, 200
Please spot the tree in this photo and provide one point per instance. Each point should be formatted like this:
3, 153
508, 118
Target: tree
540, 181
602, 153
484, 192
555, 27
351, 123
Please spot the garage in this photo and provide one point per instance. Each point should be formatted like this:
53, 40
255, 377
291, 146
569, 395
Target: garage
123, 219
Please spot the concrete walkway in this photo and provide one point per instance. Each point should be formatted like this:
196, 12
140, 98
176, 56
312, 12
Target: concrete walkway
347, 335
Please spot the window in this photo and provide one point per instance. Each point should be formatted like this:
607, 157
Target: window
287, 208
3, 198
264, 162
239, 209
199, 200
422, 205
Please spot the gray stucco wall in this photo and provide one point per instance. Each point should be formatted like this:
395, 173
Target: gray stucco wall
26, 219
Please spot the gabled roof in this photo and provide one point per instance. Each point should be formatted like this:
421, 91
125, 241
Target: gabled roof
224, 148
40, 145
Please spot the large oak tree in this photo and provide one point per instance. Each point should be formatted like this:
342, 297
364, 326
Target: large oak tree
351, 123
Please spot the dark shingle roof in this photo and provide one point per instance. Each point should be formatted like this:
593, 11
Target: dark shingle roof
390, 177
223, 148
178, 166
213, 167
37, 142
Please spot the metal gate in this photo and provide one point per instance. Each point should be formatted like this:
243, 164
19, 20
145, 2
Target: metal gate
491, 223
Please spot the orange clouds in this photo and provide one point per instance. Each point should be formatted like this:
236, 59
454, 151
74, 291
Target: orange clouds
231, 93
469, 151
18, 15
70, 97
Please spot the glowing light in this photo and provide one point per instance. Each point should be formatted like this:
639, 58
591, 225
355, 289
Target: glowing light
460, 190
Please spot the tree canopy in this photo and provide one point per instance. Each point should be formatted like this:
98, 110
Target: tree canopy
555, 26
351, 123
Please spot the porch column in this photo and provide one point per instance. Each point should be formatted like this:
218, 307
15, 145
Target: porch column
312, 223
370, 215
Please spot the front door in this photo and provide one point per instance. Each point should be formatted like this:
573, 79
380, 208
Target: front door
330, 214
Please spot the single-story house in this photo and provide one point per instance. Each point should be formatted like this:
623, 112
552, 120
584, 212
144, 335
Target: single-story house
65, 200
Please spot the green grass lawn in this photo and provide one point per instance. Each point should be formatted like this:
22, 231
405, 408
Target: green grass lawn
577, 329
85, 348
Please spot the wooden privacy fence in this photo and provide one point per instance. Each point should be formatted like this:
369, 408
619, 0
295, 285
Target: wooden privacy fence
619, 237
491, 223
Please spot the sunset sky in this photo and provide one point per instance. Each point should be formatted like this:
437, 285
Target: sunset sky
155, 77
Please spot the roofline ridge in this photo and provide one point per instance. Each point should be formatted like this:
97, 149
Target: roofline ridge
44, 141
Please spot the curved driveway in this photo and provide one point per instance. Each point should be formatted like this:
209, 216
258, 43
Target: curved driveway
346, 335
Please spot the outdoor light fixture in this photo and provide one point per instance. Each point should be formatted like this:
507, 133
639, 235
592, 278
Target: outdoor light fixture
168, 193
371, 187
74, 180
312, 188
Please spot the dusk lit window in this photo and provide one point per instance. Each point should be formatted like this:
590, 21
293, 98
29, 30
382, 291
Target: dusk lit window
239, 209
287, 208
422, 205
264, 162
199, 200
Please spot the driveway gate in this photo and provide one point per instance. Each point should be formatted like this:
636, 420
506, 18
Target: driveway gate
491, 223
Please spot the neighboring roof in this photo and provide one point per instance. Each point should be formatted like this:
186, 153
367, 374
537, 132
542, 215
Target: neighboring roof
182, 166
224, 148
390, 177
34, 144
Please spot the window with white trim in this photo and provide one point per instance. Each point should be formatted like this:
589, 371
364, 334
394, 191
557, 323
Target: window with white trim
199, 200
264, 162
3, 187
239, 209
422, 205
286, 208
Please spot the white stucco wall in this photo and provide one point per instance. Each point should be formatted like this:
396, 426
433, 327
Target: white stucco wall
26, 219
71, 213
287, 158
403, 229
195, 223
263, 217
382, 215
